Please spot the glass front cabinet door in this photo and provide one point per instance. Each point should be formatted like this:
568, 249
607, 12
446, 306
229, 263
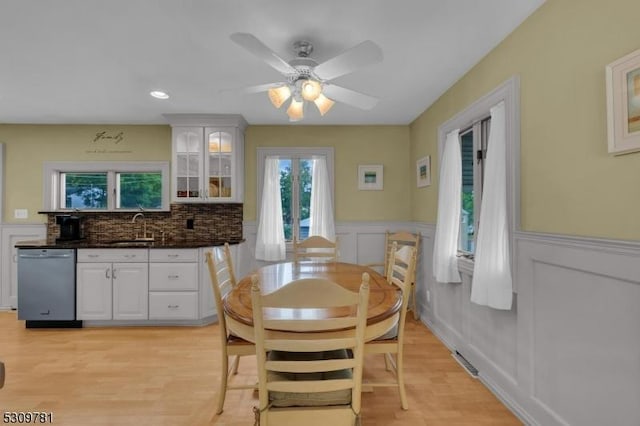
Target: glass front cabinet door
208, 161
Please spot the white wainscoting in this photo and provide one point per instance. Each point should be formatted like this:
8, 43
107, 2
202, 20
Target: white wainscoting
568, 352
10, 235
358, 242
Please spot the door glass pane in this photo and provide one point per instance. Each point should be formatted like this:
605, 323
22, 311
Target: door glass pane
225, 142
286, 195
84, 190
139, 190
305, 196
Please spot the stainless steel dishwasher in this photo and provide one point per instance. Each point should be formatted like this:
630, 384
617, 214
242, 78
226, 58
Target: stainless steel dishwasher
47, 287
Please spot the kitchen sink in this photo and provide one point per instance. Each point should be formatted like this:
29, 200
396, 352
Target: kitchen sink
131, 243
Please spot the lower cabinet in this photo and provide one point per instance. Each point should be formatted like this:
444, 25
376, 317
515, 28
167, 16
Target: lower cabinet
173, 284
145, 284
112, 290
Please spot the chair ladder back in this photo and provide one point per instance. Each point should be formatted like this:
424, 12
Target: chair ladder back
315, 247
309, 294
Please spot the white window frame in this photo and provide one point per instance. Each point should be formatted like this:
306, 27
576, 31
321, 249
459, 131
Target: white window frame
53, 169
286, 152
509, 92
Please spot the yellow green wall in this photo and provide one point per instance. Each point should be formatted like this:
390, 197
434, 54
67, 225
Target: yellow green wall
569, 183
28, 146
353, 145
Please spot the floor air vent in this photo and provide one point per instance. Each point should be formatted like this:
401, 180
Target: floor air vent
473, 372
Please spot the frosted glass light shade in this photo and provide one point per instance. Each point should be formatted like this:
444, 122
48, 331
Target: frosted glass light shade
296, 110
323, 103
310, 90
279, 95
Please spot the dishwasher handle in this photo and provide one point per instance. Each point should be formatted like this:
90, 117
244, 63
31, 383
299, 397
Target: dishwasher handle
45, 256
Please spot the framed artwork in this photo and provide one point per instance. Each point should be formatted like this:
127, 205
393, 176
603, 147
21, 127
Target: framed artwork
623, 104
370, 177
423, 171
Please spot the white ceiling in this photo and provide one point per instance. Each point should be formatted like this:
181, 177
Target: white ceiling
95, 61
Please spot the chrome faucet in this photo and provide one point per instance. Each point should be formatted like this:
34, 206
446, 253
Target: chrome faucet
144, 227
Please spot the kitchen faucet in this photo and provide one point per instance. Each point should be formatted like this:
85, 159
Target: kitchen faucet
144, 227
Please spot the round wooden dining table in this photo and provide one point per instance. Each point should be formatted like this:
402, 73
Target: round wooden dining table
385, 299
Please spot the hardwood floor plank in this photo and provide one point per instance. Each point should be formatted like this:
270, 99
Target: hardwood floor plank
169, 376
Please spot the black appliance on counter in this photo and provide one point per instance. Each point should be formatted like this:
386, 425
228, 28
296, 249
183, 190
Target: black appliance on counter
70, 227
47, 287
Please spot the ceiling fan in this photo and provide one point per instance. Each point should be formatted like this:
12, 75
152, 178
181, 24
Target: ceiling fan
306, 80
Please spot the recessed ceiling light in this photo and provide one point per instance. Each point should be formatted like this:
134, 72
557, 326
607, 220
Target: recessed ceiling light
158, 94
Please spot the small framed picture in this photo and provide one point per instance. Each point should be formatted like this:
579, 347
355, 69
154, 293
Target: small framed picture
370, 177
423, 171
623, 104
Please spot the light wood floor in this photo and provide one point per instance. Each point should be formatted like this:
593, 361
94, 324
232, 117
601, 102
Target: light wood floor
169, 376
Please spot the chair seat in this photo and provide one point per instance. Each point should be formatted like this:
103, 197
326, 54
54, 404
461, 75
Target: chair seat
313, 399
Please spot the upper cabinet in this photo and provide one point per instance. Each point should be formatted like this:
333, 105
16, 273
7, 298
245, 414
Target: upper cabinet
208, 158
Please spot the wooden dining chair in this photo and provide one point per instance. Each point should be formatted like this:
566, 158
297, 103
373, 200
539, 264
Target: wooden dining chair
399, 273
315, 248
308, 375
223, 280
403, 238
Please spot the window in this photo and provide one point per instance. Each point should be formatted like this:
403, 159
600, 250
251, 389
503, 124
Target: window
473, 146
106, 186
296, 174
475, 124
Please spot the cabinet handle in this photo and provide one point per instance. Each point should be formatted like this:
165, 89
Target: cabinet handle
173, 306
174, 256
114, 274
106, 273
130, 256
173, 277
46, 313
93, 255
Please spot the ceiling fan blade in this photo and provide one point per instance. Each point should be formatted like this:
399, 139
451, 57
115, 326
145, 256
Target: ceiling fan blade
365, 53
261, 87
349, 97
252, 89
255, 46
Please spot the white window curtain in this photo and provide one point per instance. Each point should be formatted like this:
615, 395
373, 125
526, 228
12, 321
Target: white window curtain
492, 284
445, 263
321, 220
270, 238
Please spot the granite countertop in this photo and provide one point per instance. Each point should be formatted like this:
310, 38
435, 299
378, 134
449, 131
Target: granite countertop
84, 244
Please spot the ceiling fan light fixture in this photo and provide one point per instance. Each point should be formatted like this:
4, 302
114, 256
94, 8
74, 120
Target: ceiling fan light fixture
279, 95
310, 89
296, 110
323, 103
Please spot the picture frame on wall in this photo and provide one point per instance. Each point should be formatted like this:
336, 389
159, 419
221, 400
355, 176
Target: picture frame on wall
370, 177
423, 171
623, 104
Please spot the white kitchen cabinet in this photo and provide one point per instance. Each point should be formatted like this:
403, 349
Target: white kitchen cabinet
112, 284
173, 284
94, 291
208, 157
130, 291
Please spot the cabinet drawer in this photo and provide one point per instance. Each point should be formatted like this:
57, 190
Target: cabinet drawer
173, 255
173, 276
113, 255
173, 305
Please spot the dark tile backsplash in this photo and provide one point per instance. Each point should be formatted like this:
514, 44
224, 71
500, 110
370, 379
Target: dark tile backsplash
210, 222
